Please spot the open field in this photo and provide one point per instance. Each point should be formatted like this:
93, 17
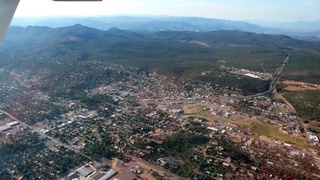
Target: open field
260, 128
198, 111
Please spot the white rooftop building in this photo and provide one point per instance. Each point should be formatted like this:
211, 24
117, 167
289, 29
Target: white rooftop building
5, 128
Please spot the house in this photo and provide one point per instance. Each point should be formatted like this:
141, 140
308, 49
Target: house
226, 164
313, 136
176, 111
167, 160
212, 128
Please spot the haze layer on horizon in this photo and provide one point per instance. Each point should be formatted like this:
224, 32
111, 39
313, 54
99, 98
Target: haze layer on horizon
269, 10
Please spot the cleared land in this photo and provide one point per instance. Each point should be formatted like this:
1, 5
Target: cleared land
300, 86
260, 128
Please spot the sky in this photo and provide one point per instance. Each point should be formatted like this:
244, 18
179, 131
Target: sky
269, 10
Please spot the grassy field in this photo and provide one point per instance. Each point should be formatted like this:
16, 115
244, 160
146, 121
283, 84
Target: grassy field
260, 128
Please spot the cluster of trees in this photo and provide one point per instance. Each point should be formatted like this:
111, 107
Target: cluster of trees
71, 81
183, 151
61, 161
306, 103
97, 100
306, 62
246, 84
102, 148
106, 112
20, 155
31, 140
230, 150
182, 143
54, 111
181, 146
29, 157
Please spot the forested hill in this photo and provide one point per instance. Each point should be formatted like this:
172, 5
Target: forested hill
236, 37
42, 34
177, 52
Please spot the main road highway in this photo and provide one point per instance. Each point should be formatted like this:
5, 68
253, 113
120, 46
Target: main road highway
274, 80
277, 73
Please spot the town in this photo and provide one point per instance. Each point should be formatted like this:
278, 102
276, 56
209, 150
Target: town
144, 125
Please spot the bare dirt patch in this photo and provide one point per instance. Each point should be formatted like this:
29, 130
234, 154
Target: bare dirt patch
192, 109
148, 166
300, 86
146, 175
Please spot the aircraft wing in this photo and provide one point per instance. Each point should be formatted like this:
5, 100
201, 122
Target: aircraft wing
7, 9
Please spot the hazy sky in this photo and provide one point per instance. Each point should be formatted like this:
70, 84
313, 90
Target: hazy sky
279, 10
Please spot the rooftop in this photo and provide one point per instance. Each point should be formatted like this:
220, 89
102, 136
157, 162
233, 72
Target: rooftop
108, 175
5, 128
83, 171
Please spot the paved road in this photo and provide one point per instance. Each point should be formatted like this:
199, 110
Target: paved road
274, 81
276, 75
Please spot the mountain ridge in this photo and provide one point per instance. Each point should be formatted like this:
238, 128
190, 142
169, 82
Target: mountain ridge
43, 33
194, 51
146, 23
112, 21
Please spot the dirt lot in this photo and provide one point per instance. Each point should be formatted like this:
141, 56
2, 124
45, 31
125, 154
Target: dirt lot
300, 86
192, 109
122, 167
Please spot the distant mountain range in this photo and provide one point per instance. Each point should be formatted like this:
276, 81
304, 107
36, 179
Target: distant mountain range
80, 33
77, 39
301, 30
181, 53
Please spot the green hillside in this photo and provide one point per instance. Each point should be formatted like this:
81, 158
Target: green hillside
175, 52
